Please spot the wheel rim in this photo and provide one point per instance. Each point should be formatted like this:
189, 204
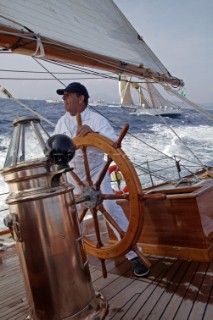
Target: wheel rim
136, 211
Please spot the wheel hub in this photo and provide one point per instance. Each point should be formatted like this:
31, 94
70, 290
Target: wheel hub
93, 196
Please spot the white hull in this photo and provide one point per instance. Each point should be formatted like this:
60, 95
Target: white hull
160, 112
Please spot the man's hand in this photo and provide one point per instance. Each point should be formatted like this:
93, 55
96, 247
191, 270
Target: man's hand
83, 130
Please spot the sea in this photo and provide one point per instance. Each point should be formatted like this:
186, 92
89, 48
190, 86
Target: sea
156, 146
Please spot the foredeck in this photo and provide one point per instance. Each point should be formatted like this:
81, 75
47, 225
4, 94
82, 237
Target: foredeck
175, 289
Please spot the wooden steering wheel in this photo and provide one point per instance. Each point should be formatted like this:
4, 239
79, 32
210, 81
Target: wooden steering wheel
93, 198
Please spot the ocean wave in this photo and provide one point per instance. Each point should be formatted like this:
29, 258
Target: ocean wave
148, 138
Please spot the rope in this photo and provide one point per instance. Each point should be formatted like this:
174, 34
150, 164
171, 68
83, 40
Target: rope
39, 48
207, 175
194, 105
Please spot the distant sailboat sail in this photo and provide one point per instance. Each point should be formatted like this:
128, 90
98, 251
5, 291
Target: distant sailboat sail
158, 101
124, 90
142, 100
125, 85
154, 103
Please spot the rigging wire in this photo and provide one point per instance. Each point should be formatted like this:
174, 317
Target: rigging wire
82, 69
61, 48
42, 72
49, 79
48, 70
107, 76
52, 124
132, 135
156, 93
13, 21
138, 165
184, 99
148, 171
179, 138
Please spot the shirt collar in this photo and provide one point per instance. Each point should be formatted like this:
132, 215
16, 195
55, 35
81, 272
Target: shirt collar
85, 115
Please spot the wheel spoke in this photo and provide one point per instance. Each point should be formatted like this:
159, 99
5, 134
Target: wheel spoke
82, 214
145, 261
103, 267
114, 196
77, 179
133, 200
86, 166
97, 229
109, 218
102, 174
117, 144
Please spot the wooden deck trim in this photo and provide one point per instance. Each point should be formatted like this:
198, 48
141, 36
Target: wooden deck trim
204, 255
180, 225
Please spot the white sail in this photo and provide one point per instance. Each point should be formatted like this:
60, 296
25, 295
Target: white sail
92, 33
155, 101
124, 91
151, 103
158, 99
142, 100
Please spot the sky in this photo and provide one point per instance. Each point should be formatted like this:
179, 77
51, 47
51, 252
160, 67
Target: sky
178, 32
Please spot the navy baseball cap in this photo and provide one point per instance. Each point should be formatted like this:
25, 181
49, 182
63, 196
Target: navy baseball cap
74, 87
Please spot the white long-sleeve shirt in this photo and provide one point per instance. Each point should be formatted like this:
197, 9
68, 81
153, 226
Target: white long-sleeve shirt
67, 125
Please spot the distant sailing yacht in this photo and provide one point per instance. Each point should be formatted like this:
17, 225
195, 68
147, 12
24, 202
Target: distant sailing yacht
157, 106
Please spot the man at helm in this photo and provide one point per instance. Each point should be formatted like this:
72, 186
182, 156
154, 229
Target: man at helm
75, 97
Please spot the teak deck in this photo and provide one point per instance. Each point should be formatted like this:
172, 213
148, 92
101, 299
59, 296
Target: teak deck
175, 289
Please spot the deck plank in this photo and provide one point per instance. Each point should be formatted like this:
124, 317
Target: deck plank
13, 303
170, 288
182, 287
205, 293
192, 293
175, 289
147, 298
161, 288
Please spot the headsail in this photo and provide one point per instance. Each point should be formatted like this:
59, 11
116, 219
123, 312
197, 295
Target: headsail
158, 101
92, 33
142, 100
124, 90
152, 100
